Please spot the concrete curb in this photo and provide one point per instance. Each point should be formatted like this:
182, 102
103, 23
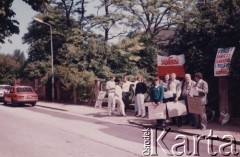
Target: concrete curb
54, 108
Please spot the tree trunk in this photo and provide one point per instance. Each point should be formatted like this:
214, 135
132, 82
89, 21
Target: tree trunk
74, 95
223, 94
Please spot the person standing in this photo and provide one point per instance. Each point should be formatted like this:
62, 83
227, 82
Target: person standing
125, 92
141, 89
118, 98
110, 87
135, 97
165, 82
187, 90
156, 96
174, 86
202, 89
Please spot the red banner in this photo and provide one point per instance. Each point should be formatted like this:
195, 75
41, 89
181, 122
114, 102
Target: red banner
171, 64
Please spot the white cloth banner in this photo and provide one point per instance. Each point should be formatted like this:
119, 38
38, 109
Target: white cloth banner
173, 60
100, 98
222, 61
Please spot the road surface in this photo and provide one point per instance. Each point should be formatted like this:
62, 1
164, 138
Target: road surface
40, 132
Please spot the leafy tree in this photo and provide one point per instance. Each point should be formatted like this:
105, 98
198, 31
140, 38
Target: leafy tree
8, 25
19, 56
108, 17
151, 16
202, 31
9, 68
39, 5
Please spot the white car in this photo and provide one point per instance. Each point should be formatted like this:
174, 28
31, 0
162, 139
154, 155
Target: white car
3, 89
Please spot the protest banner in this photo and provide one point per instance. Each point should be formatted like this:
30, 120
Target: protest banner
195, 105
222, 61
156, 111
100, 98
175, 109
171, 64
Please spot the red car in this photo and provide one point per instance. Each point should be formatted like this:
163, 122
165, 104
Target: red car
20, 95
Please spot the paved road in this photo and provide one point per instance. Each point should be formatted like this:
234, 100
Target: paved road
40, 132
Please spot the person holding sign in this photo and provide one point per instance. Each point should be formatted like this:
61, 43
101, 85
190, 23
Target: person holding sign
202, 89
156, 97
174, 86
110, 87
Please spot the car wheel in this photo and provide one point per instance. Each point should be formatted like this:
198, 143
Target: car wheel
34, 103
14, 103
4, 102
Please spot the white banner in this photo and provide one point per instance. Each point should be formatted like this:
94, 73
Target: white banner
156, 111
175, 109
100, 98
222, 61
173, 60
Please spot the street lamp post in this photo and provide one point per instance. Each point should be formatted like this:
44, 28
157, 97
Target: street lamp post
40, 21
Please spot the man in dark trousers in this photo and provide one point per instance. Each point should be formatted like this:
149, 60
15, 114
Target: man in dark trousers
141, 89
125, 89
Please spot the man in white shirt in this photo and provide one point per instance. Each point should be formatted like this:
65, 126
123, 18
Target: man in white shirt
118, 98
125, 89
188, 90
175, 87
110, 87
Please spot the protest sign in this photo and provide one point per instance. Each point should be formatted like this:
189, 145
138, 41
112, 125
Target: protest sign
171, 64
175, 109
100, 98
222, 61
156, 111
195, 105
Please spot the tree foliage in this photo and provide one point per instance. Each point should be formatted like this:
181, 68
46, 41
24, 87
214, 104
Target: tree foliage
8, 25
10, 67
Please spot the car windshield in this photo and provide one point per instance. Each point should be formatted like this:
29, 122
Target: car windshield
24, 89
4, 87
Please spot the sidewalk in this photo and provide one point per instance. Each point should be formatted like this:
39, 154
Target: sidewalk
130, 119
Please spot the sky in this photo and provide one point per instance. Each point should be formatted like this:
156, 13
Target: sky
24, 15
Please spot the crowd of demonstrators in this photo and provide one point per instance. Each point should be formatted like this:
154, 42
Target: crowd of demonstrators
189, 87
169, 89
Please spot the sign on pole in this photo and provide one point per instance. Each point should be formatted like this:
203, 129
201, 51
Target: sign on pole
171, 64
222, 61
